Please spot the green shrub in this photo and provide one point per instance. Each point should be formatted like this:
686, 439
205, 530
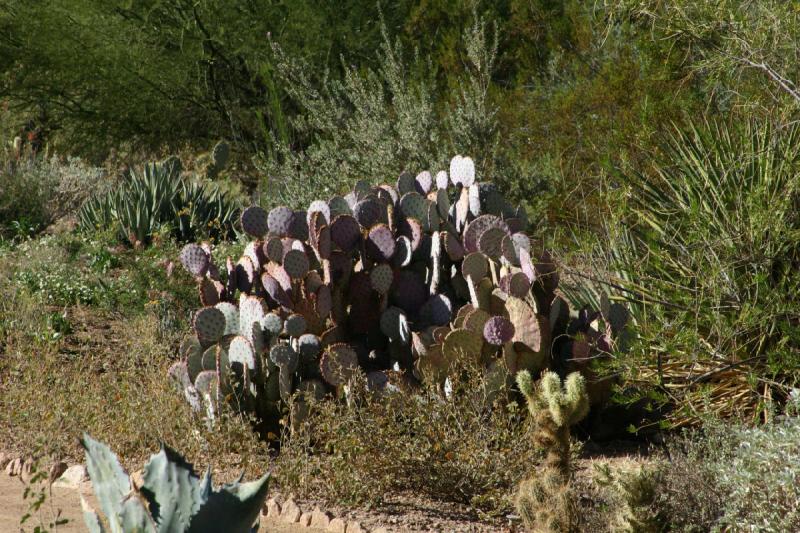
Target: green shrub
159, 200
707, 241
375, 123
35, 191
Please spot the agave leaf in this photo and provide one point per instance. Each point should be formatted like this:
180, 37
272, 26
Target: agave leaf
93, 523
236, 505
171, 489
110, 483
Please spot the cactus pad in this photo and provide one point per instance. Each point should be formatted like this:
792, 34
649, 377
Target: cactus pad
338, 206
207, 383
406, 183
209, 324
462, 343
279, 220
321, 207
273, 249
272, 324
528, 327
345, 232
324, 301
381, 278
402, 251
241, 351
369, 212
295, 325
195, 260
388, 194
462, 171
255, 221
411, 228
210, 291
338, 364
490, 242
394, 325
298, 227
245, 274
498, 330
437, 311
475, 229
283, 356
476, 320
414, 205
275, 291
296, 264
475, 266
442, 180
424, 182
309, 346
380, 243
409, 291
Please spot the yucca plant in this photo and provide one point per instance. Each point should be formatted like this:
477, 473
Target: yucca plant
711, 243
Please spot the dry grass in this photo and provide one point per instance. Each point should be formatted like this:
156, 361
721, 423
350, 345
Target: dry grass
105, 375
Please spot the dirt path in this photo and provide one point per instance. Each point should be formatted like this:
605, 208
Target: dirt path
13, 506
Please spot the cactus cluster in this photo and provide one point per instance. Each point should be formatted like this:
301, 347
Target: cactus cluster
171, 498
397, 282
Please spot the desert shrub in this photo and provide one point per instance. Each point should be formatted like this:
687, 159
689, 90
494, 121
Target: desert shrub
157, 201
741, 477
448, 448
706, 241
374, 123
36, 190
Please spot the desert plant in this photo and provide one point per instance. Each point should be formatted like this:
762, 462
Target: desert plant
160, 198
171, 499
709, 238
545, 501
417, 276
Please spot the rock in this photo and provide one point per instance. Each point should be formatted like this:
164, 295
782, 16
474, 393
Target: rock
354, 526
273, 508
305, 519
290, 512
337, 525
26, 470
137, 479
72, 477
4, 460
58, 468
14, 467
320, 519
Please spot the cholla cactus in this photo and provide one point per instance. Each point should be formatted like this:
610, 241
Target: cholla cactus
544, 501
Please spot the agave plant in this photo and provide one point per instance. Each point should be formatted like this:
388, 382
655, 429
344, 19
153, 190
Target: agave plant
398, 282
160, 197
171, 499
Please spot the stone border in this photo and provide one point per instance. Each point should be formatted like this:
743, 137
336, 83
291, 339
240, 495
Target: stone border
290, 513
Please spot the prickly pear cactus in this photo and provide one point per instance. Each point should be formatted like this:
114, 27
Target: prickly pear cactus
422, 275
